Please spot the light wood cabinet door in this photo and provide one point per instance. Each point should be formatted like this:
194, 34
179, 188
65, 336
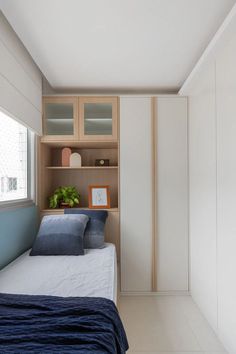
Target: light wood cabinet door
98, 118
60, 119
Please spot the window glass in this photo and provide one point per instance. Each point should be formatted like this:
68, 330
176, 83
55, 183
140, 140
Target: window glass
13, 159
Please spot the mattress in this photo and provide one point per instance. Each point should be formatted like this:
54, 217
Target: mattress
92, 275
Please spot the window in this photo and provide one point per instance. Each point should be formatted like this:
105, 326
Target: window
15, 175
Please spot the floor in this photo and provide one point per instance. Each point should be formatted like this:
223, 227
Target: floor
166, 325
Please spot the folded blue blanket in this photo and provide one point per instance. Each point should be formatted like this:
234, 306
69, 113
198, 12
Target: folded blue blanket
52, 324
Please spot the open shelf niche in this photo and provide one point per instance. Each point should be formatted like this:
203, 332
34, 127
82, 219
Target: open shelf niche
54, 175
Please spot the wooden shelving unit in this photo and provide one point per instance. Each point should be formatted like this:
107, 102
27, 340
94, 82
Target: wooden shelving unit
61, 210
81, 144
83, 168
52, 174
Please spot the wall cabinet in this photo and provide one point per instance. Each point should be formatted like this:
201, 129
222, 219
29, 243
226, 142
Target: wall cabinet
171, 194
136, 193
60, 119
98, 118
154, 194
80, 119
92, 134
147, 176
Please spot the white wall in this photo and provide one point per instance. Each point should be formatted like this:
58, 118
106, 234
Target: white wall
226, 143
172, 194
212, 146
20, 80
202, 185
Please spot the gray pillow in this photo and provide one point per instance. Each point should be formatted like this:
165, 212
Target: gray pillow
94, 232
60, 235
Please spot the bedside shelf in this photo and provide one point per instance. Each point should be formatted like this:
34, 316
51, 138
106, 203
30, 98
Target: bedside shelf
82, 168
61, 211
81, 144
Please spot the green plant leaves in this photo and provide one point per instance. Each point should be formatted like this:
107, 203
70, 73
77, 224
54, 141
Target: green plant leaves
64, 194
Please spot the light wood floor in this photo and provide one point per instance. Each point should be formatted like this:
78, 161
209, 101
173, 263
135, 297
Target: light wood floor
166, 325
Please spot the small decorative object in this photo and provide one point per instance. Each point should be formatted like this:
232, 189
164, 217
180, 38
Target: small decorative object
99, 197
64, 197
102, 162
65, 157
75, 160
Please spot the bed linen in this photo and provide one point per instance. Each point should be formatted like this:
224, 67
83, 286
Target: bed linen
91, 275
49, 324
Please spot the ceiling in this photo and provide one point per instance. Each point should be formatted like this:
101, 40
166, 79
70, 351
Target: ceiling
116, 44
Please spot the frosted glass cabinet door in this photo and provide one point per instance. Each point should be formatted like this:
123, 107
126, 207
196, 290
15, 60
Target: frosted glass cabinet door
98, 118
60, 118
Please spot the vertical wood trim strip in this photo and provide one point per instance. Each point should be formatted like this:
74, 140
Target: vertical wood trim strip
154, 193
38, 189
119, 197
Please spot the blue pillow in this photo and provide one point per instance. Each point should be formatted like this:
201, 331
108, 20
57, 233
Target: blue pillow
60, 235
94, 232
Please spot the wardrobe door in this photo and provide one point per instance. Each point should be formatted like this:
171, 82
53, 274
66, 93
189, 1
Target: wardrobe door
136, 193
172, 194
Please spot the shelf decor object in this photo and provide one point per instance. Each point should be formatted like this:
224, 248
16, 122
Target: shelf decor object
102, 162
99, 197
65, 157
75, 160
64, 197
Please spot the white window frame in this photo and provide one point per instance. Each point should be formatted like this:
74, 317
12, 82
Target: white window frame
31, 176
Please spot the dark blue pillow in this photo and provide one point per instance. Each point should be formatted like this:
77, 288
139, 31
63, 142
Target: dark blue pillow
60, 235
94, 232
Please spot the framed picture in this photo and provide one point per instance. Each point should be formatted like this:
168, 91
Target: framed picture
99, 197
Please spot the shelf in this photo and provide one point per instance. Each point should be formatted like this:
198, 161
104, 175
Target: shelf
61, 211
59, 119
81, 144
82, 168
97, 120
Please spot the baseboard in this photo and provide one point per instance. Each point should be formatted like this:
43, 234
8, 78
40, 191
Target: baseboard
155, 293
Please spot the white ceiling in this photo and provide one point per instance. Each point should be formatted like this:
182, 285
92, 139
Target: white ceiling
120, 44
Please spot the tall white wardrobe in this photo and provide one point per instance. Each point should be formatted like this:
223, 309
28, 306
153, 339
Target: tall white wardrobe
154, 193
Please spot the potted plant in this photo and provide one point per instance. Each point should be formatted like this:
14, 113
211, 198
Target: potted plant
64, 197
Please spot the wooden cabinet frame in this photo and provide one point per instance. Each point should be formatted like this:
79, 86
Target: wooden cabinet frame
114, 102
47, 173
74, 101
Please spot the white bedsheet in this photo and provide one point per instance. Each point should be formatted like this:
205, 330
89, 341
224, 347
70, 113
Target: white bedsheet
94, 274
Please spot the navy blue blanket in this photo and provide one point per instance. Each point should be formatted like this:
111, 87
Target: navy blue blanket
52, 324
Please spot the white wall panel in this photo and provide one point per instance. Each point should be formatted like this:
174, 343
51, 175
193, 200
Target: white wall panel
16, 47
136, 193
16, 75
213, 191
20, 80
14, 103
172, 194
226, 117
202, 174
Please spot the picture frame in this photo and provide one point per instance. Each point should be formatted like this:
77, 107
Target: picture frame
99, 197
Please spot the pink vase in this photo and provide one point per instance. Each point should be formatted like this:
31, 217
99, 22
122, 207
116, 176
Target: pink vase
65, 157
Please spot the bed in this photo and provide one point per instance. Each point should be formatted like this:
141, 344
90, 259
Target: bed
61, 304
92, 275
